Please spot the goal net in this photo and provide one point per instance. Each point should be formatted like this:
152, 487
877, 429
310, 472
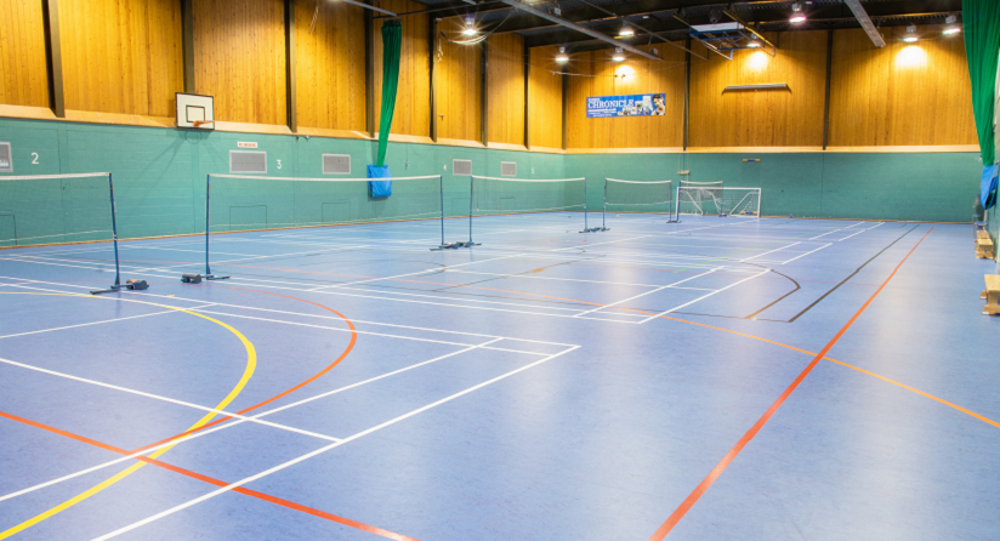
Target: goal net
712, 199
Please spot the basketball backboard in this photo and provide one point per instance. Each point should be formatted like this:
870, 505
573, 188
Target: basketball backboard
195, 111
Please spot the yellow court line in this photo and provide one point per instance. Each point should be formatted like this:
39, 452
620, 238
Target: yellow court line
247, 374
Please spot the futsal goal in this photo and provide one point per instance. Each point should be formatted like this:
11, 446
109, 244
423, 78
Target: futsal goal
714, 199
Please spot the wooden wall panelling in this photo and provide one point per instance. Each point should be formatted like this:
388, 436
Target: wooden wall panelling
24, 78
412, 114
240, 58
545, 99
506, 89
330, 70
903, 94
595, 74
121, 56
458, 85
762, 118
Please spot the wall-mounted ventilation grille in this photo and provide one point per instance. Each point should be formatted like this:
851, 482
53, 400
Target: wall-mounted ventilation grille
461, 167
5, 162
248, 161
508, 169
336, 164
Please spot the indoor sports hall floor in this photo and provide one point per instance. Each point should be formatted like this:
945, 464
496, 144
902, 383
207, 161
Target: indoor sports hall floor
720, 378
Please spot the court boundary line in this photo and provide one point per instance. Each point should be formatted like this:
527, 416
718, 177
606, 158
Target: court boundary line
723, 464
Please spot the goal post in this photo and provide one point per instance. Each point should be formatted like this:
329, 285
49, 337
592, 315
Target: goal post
714, 199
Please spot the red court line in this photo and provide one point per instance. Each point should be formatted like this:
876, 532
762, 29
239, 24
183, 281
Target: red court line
707, 482
212, 481
350, 346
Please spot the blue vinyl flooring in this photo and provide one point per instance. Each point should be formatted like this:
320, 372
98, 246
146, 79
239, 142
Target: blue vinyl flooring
546, 385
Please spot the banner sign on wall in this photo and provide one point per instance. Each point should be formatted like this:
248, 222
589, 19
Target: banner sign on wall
634, 105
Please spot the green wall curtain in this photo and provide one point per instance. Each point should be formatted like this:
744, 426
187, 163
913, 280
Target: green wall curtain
981, 19
392, 41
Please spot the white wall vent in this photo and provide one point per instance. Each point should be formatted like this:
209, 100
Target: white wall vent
336, 164
508, 169
461, 168
248, 161
6, 163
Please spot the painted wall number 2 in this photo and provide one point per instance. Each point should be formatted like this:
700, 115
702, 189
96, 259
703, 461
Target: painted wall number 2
279, 164
34, 158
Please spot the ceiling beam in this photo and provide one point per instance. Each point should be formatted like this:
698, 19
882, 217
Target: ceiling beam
581, 29
866, 22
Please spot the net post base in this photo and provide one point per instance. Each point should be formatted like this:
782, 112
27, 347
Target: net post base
595, 229
456, 245
131, 285
214, 277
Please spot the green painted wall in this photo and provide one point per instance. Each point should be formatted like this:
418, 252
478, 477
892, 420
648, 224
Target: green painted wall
937, 187
160, 174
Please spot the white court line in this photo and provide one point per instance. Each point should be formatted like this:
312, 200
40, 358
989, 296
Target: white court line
322, 450
318, 316
805, 254
426, 271
647, 293
771, 252
102, 321
835, 230
337, 329
217, 428
166, 399
674, 309
859, 232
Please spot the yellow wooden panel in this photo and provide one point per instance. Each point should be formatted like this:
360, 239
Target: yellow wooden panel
330, 68
766, 118
595, 74
505, 102
545, 99
457, 89
121, 56
413, 95
239, 58
24, 79
902, 94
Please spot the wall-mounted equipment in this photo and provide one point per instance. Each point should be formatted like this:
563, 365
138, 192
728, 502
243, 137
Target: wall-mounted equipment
765, 86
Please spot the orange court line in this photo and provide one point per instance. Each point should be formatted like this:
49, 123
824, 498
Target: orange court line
709, 480
212, 481
347, 350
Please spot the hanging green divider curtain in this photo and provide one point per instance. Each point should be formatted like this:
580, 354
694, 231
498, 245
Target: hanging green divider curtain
981, 19
392, 41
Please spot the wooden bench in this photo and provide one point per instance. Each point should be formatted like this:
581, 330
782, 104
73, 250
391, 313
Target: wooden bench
982, 234
992, 294
984, 248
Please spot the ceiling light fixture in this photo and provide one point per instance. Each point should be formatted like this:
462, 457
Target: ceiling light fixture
470, 26
797, 15
952, 28
753, 44
626, 32
619, 55
911, 34
562, 57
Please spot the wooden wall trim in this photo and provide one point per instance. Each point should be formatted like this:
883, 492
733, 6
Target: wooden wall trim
484, 93
826, 103
565, 108
432, 37
187, 42
53, 51
940, 149
527, 103
291, 102
370, 73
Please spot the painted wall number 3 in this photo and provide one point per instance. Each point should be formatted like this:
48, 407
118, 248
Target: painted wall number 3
34, 158
279, 164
